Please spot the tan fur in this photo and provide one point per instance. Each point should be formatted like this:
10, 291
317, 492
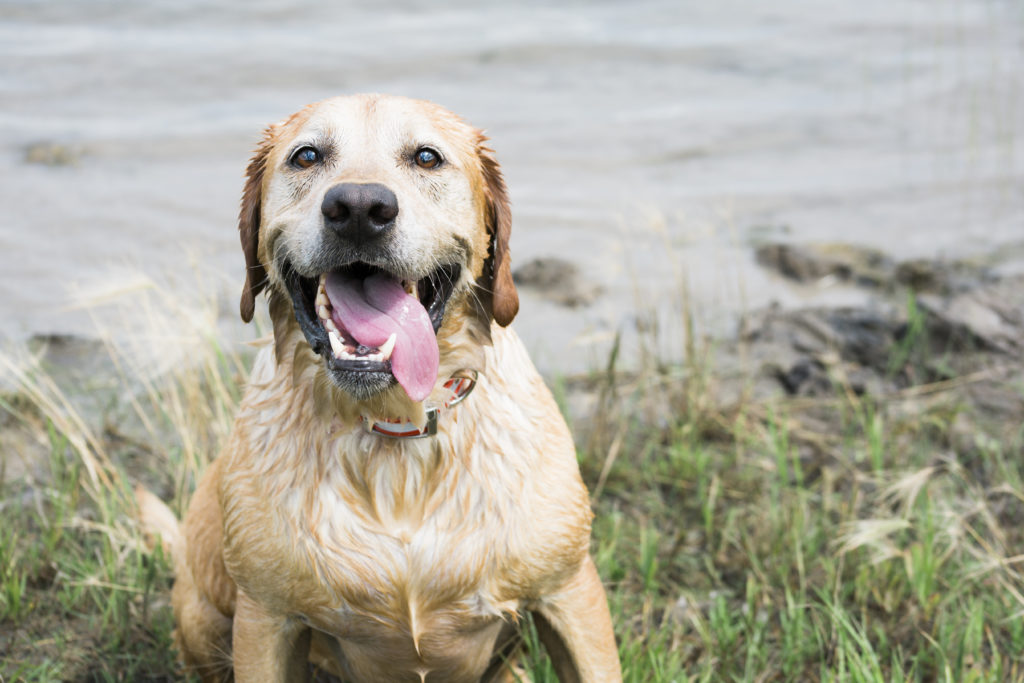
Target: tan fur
379, 559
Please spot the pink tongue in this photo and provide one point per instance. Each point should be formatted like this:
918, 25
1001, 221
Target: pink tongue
373, 309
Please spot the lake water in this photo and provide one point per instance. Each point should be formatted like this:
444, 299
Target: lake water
652, 143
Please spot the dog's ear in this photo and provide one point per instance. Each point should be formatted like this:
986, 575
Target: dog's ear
504, 297
249, 225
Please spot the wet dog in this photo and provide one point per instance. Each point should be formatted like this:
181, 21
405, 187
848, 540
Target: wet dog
399, 487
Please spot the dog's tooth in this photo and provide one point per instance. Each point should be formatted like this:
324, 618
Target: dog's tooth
321, 299
331, 327
336, 345
387, 347
376, 357
323, 312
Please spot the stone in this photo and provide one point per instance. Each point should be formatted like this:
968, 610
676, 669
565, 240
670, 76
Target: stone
989, 318
52, 154
557, 280
811, 263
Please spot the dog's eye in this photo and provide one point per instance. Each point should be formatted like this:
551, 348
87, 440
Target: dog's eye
427, 158
305, 157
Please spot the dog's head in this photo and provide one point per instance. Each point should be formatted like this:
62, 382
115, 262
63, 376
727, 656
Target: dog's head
377, 219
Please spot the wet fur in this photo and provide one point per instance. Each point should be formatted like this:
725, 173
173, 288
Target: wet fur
309, 539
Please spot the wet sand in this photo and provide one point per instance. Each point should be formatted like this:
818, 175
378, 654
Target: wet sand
654, 145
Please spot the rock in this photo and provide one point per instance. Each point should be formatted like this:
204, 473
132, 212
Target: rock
989, 318
921, 275
808, 351
865, 381
864, 336
52, 154
557, 280
796, 263
806, 377
867, 267
941, 277
876, 349
871, 268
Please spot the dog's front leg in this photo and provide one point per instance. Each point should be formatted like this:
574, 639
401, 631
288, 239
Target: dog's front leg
576, 629
266, 647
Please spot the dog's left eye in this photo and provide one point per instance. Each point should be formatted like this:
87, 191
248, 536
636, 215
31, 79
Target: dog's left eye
427, 158
305, 157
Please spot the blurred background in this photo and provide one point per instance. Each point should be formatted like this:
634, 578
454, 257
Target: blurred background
653, 145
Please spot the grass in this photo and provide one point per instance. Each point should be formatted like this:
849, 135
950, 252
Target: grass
743, 545
846, 538
80, 597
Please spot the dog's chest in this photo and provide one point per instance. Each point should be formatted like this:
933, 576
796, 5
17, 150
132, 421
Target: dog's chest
407, 560
407, 581
401, 552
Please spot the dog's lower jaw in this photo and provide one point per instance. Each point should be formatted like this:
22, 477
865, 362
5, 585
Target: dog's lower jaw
463, 339
333, 396
334, 402
361, 385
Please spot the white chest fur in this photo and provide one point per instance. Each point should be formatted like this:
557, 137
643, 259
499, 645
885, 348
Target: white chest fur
400, 553
414, 527
410, 551
393, 531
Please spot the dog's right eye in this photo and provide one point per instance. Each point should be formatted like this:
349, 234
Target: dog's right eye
304, 157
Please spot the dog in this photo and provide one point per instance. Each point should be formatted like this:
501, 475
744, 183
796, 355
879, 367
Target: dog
399, 488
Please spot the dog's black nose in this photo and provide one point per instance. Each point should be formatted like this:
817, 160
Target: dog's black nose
360, 212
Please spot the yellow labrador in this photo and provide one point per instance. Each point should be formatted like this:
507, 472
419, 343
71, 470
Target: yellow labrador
399, 487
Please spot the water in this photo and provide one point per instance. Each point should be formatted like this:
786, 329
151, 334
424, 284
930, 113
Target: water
652, 143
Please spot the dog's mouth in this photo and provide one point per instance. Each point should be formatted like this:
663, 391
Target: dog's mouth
373, 327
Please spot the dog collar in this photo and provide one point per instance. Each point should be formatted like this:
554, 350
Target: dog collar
459, 387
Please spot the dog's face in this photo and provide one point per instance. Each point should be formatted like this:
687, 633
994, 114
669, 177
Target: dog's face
375, 216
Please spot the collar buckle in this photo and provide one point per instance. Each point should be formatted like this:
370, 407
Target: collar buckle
460, 385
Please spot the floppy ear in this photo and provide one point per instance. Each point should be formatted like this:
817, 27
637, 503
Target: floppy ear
504, 297
249, 226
